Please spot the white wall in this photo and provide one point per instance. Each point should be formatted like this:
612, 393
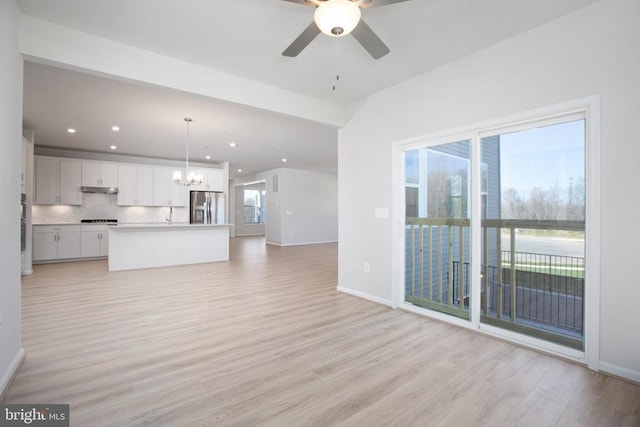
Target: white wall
304, 210
592, 51
53, 43
242, 229
273, 228
10, 161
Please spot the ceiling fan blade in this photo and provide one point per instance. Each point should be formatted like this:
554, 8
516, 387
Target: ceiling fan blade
304, 2
302, 41
369, 40
377, 3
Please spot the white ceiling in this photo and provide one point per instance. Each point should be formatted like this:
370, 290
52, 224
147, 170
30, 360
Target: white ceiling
246, 38
151, 124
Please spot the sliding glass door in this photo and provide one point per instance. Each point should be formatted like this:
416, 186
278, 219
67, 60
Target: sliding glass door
527, 182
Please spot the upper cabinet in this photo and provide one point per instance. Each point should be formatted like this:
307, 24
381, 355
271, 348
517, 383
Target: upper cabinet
96, 174
213, 180
165, 191
135, 185
58, 181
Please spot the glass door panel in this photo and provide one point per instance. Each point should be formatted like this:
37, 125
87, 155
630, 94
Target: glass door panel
533, 231
437, 227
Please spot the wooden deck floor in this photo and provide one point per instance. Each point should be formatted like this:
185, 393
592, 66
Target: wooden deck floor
265, 339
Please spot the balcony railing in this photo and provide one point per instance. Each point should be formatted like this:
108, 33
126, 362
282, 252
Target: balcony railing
536, 294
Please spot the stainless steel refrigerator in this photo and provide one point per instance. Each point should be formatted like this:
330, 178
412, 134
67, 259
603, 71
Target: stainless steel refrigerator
207, 207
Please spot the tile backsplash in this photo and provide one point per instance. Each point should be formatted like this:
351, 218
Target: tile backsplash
104, 206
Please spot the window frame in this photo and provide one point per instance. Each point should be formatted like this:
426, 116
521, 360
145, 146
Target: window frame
587, 108
261, 206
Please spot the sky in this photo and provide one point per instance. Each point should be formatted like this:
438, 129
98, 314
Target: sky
543, 156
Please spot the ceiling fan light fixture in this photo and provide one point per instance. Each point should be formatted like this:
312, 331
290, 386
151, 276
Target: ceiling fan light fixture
337, 18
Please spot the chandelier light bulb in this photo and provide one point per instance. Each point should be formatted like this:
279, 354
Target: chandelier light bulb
191, 177
337, 18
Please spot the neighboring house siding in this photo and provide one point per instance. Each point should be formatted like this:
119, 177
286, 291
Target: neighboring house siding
490, 152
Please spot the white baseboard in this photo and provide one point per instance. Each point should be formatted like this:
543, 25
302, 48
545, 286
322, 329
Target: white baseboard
364, 296
618, 371
5, 382
301, 244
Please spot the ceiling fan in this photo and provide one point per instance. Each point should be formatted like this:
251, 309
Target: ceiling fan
338, 18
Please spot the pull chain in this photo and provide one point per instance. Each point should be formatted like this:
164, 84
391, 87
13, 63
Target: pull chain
337, 64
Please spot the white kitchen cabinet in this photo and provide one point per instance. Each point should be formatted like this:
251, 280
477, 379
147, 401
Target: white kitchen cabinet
215, 180
96, 174
94, 240
58, 181
156, 245
135, 185
212, 180
165, 191
56, 242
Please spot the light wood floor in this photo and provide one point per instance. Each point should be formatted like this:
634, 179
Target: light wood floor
265, 339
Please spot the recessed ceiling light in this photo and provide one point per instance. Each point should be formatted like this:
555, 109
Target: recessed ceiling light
239, 170
115, 128
113, 147
71, 130
284, 160
207, 157
233, 144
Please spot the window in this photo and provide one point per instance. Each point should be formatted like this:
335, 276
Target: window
438, 250
534, 240
437, 181
254, 206
496, 231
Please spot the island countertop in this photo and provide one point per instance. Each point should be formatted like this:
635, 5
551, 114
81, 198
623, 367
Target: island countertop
165, 225
133, 246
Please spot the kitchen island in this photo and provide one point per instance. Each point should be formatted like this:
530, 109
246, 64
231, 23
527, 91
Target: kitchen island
133, 246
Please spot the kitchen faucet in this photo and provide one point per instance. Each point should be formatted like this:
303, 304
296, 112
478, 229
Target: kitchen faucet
170, 219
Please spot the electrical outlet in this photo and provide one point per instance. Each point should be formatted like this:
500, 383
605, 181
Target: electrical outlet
367, 267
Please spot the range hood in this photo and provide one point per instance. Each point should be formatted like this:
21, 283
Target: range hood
101, 190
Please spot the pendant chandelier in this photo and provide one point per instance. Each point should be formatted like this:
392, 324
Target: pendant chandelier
191, 178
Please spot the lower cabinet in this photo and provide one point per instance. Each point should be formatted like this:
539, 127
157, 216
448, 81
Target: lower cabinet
94, 241
60, 242
51, 242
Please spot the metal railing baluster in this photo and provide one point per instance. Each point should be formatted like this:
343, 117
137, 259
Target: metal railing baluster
422, 261
450, 275
500, 307
431, 263
512, 266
